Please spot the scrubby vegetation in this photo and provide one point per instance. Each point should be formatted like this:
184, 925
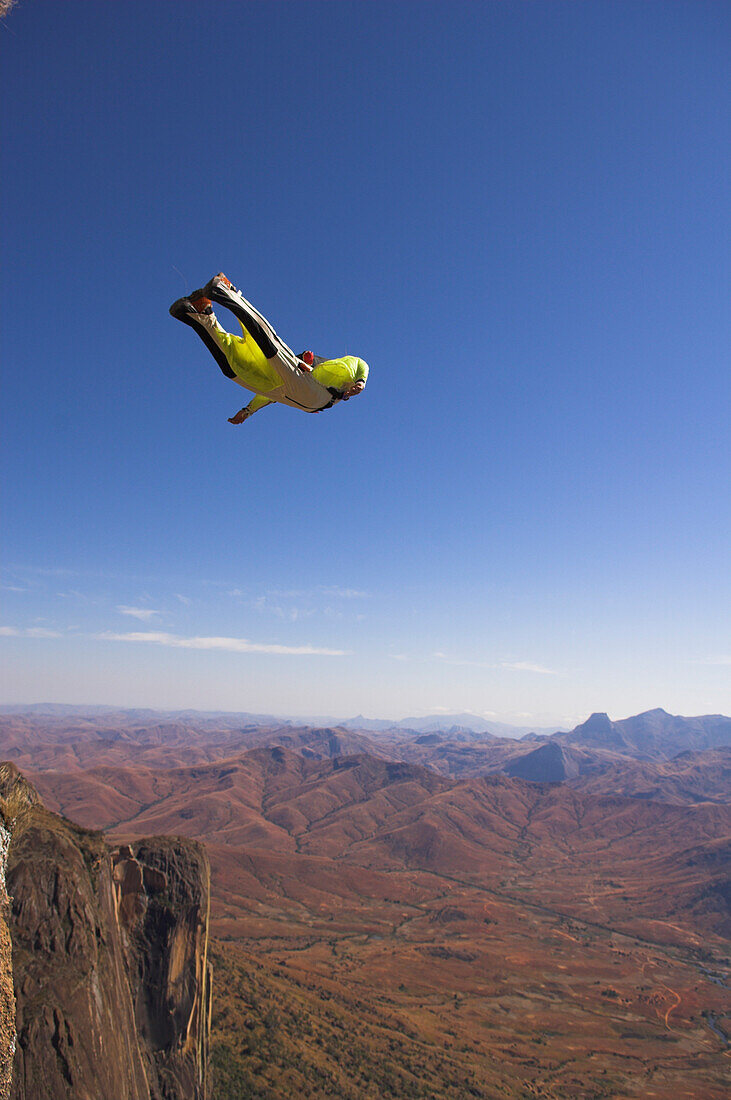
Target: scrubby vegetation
276, 1034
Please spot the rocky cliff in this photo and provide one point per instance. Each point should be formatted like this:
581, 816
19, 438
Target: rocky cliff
109, 947
7, 998
162, 900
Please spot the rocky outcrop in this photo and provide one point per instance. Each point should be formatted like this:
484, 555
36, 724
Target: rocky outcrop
109, 958
653, 735
549, 763
7, 997
598, 731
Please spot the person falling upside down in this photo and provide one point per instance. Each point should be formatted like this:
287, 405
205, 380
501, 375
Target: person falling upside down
259, 361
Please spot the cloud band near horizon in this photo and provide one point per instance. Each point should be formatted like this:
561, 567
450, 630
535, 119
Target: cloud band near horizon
230, 645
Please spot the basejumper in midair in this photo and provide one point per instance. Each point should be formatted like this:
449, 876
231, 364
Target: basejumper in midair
260, 361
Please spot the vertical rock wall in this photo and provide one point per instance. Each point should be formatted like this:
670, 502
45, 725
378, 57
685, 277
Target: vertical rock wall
109, 960
162, 897
7, 997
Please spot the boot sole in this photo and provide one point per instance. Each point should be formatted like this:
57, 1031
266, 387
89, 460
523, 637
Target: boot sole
184, 310
181, 308
216, 288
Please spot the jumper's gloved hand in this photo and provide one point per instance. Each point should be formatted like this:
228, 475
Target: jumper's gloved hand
306, 359
240, 416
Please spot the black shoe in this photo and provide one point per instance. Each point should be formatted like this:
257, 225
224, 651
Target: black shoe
198, 304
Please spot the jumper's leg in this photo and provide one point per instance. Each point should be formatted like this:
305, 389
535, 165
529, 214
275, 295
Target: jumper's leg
206, 324
221, 290
239, 357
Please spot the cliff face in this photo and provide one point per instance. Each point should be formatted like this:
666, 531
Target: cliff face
162, 899
7, 997
109, 959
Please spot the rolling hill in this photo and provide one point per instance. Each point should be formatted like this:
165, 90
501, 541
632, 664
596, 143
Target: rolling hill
396, 916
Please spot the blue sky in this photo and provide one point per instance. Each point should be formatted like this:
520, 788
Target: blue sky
517, 213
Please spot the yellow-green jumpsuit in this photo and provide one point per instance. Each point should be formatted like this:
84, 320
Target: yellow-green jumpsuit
261, 362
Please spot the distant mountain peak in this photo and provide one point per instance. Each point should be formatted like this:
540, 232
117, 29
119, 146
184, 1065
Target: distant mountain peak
654, 733
599, 720
549, 763
599, 729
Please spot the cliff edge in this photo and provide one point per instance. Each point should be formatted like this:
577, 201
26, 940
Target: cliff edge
7, 996
110, 968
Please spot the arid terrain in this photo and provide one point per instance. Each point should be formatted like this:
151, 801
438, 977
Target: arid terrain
394, 915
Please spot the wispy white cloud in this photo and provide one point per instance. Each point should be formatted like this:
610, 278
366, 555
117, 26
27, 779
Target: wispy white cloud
339, 614
461, 662
509, 666
42, 571
528, 666
334, 591
143, 613
287, 614
28, 632
230, 645
183, 599
13, 588
343, 593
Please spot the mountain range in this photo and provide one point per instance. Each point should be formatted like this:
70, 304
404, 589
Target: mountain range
414, 914
464, 724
